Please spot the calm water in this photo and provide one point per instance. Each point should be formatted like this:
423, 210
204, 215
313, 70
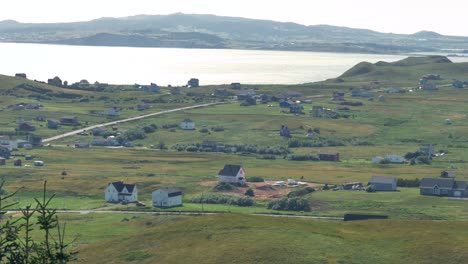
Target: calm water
125, 65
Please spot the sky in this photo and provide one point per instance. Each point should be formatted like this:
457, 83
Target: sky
395, 16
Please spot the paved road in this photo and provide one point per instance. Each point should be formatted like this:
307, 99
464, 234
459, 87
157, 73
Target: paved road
127, 120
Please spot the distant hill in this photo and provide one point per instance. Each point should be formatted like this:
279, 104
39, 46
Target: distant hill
210, 31
408, 70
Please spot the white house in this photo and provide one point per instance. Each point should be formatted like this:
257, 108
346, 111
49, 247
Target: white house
167, 197
120, 192
9, 142
390, 158
113, 111
232, 174
187, 124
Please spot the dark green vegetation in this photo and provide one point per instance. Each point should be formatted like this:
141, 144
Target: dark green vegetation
398, 125
209, 31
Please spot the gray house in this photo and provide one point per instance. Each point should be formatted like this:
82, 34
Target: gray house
232, 174
383, 183
443, 187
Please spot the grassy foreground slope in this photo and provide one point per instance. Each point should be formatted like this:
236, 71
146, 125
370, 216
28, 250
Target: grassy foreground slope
259, 239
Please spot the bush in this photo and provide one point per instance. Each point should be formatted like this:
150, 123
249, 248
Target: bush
267, 157
326, 187
148, 129
224, 186
289, 204
204, 130
301, 192
217, 129
249, 192
255, 179
370, 188
298, 157
408, 182
222, 199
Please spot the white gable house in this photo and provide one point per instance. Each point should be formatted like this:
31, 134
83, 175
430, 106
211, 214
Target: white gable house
167, 197
234, 174
187, 124
117, 192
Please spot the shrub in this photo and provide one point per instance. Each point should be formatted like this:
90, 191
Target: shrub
249, 192
326, 187
289, 204
222, 199
408, 182
224, 186
301, 192
298, 157
217, 129
148, 129
255, 179
267, 157
370, 188
204, 130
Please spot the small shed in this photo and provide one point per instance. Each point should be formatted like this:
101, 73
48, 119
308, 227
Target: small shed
2, 161
448, 121
17, 162
28, 157
330, 156
383, 183
38, 163
167, 197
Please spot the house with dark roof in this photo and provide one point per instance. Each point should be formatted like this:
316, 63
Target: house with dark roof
167, 197
187, 124
69, 120
117, 192
26, 127
443, 187
383, 183
296, 109
234, 174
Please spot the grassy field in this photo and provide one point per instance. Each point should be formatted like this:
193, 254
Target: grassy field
258, 239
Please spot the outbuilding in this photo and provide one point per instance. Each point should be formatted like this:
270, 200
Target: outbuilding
383, 183
167, 197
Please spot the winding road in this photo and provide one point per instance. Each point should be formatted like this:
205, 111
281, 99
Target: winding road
72, 133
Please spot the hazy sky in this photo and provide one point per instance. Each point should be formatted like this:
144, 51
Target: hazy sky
397, 16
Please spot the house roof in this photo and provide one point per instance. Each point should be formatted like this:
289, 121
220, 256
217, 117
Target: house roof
441, 183
382, 179
187, 120
230, 170
172, 191
119, 186
460, 185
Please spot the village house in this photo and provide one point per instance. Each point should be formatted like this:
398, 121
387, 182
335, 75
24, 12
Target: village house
167, 197
34, 140
296, 109
187, 124
383, 183
193, 83
285, 104
176, 90
9, 142
2, 161
113, 111
81, 145
222, 92
317, 111
56, 81
41, 118
17, 162
443, 187
284, 131
236, 86
428, 150
69, 121
53, 124
458, 84
142, 107
389, 159
21, 75
448, 174
97, 131
245, 94
338, 96
265, 98
234, 174
117, 192
4, 152
38, 163
394, 90
26, 127
330, 156
358, 92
